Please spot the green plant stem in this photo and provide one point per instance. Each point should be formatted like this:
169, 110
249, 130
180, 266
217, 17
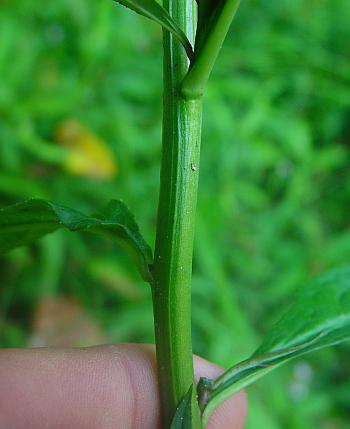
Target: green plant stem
205, 57
172, 270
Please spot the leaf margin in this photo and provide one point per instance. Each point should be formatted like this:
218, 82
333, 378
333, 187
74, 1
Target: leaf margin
47, 217
157, 13
183, 414
270, 354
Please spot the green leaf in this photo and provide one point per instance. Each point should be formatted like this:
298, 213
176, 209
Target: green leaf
154, 11
319, 317
183, 415
25, 222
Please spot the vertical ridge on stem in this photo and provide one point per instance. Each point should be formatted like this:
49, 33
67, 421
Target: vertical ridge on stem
176, 216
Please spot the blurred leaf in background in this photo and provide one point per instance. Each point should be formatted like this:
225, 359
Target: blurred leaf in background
274, 181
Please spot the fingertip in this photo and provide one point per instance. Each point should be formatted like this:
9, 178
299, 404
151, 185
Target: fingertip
105, 387
230, 414
100, 387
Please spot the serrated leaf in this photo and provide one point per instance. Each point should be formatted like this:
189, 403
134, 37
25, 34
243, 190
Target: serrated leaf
154, 11
25, 222
319, 317
183, 415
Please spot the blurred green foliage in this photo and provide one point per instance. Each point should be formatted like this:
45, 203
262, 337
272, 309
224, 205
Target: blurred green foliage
274, 181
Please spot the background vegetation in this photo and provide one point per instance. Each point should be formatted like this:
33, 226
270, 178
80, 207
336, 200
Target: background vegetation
80, 118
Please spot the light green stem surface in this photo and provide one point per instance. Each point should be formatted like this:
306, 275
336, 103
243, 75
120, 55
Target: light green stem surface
205, 56
172, 269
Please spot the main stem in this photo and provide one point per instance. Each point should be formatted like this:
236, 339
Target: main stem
172, 271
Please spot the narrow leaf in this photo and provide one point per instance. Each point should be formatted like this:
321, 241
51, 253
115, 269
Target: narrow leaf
154, 11
319, 317
25, 222
183, 415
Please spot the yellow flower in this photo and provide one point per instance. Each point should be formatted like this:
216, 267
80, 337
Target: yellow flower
88, 155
